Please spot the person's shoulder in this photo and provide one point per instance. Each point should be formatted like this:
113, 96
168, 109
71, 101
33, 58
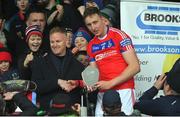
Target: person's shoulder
41, 57
93, 40
14, 17
118, 33
115, 30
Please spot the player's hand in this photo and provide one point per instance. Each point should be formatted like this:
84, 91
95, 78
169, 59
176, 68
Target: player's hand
103, 85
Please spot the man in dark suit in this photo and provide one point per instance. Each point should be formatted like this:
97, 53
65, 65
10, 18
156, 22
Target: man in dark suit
57, 72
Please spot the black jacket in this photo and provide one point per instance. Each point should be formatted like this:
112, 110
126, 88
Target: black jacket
27, 107
163, 106
46, 75
26, 72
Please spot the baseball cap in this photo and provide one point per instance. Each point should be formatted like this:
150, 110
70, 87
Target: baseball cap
81, 33
173, 76
109, 13
111, 98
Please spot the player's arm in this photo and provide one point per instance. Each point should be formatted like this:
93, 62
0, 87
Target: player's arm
133, 68
130, 57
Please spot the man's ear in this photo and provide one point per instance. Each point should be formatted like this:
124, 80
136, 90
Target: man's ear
168, 88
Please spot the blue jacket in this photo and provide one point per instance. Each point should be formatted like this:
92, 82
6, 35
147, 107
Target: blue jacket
11, 74
164, 106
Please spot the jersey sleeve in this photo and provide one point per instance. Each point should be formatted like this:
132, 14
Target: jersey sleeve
91, 57
125, 42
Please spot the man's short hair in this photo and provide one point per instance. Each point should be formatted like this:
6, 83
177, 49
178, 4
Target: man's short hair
90, 11
57, 29
35, 10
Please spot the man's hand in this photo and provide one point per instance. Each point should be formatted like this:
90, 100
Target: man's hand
91, 88
59, 8
67, 85
76, 107
160, 81
28, 59
9, 95
73, 83
75, 50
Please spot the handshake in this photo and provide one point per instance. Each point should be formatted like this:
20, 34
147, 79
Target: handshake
68, 85
90, 77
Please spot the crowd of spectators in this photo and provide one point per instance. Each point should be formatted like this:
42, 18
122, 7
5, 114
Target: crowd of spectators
50, 42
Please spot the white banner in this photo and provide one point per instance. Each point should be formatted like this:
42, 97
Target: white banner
154, 27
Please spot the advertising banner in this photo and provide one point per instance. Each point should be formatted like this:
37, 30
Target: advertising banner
154, 27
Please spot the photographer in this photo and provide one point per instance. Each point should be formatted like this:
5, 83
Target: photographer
167, 105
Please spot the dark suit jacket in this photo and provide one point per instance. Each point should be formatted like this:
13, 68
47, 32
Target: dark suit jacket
46, 76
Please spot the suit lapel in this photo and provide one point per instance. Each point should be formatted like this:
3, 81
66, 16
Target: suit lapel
50, 65
66, 63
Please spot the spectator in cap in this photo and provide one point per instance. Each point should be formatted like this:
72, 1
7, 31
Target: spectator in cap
81, 39
6, 70
111, 104
37, 16
5, 60
33, 30
167, 105
11, 99
34, 38
115, 3
109, 15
